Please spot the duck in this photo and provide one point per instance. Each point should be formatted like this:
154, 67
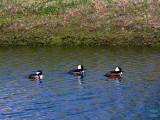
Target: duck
78, 71
117, 73
38, 75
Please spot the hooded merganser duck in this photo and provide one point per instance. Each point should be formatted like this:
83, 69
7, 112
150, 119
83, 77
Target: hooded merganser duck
78, 71
117, 73
38, 75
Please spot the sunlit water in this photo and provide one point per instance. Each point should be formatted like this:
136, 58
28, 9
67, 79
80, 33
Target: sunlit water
60, 96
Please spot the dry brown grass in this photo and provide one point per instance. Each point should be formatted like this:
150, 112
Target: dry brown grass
123, 13
68, 19
93, 13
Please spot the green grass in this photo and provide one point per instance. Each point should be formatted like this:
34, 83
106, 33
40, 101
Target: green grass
80, 22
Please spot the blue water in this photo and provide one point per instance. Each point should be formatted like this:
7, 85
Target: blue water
61, 96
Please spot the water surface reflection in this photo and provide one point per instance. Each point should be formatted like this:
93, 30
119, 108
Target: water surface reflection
92, 96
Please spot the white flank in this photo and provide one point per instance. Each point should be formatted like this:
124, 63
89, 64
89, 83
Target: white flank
121, 74
41, 77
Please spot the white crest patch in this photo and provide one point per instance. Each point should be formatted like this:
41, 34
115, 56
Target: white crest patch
37, 73
117, 69
79, 67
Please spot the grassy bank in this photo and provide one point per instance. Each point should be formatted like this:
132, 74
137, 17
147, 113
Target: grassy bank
80, 22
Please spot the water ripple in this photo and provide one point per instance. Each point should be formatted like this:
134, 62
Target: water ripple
63, 96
